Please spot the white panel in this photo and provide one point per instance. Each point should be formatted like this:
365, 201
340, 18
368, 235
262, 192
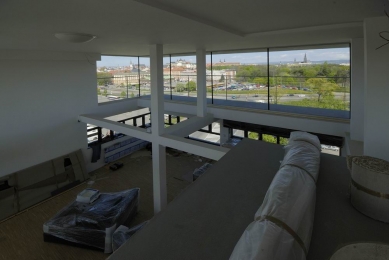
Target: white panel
40, 103
376, 137
357, 89
159, 177
201, 83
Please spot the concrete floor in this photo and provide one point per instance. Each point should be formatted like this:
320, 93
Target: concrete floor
21, 237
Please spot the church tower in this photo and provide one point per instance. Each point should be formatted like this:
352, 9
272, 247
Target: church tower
305, 58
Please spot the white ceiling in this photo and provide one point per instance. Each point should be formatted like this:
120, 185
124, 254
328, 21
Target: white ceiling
127, 27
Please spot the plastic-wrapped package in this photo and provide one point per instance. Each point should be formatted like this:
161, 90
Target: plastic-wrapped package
231, 142
199, 171
283, 224
123, 233
92, 224
305, 137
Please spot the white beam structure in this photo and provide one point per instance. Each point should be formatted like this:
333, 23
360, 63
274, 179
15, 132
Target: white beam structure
158, 127
201, 83
310, 123
189, 126
130, 130
190, 146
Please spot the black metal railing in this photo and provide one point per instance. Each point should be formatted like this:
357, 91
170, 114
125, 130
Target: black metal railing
94, 134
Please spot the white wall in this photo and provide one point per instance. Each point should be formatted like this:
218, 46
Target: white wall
376, 132
40, 101
358, 89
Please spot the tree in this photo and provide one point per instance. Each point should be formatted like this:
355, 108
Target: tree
98, 91
276, 92
104, 78
191, 85
321, 87
123, 94
132, 95
180, 87
105, 92
222, 78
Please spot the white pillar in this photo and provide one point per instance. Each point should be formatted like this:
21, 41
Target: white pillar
376, 121
159, 177
357, 90
225, 133
157, 95
157, 127
201, 83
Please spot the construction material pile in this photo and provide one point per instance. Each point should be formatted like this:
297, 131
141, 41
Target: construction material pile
92, 223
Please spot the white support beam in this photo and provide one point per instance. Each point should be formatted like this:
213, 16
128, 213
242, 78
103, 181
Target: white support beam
225, 133
190, 146
159, 177
157, 95
158, 127
201, 83
130, 130
189, 126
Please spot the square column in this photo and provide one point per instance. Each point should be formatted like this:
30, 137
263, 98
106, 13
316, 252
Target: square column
358, 89
157, 128
159, 177
225, 133
157, 95
201, 83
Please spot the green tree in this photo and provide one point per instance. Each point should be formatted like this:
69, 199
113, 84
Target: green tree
276, 93
191, 85
180, 87
222, 78
105, 92
321, 87
269, 138
104, 78
132, 95
98, 91
123, 94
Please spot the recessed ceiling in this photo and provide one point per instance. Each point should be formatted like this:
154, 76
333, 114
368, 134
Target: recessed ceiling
127, 27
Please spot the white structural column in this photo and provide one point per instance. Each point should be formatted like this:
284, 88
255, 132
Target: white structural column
358, 90
201, 83
157, 127
225, 133
376, 120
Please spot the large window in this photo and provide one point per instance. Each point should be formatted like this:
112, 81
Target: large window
310, 81
239, 79
122, 77
180, 75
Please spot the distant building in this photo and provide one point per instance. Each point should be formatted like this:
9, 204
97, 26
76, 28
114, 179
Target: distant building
224, 63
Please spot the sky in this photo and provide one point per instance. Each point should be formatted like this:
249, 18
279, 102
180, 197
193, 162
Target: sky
252, 57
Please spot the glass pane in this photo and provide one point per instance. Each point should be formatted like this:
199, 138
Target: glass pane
116, 78
311, 81
183, 78
240, 79
144, 73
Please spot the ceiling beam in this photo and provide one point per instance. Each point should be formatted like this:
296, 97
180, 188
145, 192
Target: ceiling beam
307, 29
190, 16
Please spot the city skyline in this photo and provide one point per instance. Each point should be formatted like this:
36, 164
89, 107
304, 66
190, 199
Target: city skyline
313, 55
